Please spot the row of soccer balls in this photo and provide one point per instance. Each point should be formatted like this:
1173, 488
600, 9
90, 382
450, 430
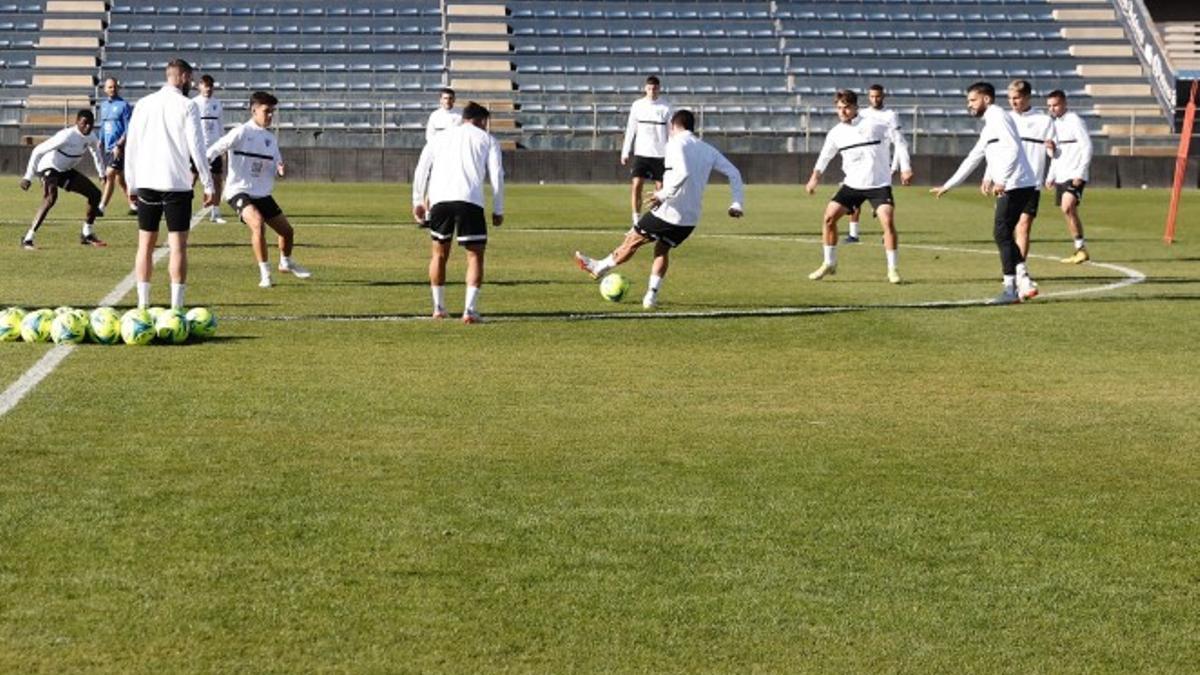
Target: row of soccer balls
66, 325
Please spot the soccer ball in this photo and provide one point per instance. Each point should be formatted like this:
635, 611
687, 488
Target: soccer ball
201, 322
171, 326
104, 326
156, 312
10, 324
614, 287
68, 328
63, 309
35, 327
136, 327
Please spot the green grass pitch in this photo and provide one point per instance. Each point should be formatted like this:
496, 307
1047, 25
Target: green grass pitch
770, 474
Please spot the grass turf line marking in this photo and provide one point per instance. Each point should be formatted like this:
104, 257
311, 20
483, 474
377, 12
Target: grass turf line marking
50, 360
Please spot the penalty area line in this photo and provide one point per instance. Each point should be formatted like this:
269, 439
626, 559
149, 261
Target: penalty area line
50, 360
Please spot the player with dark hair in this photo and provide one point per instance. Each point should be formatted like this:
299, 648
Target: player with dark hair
254, 161
1069, 169
449, 177
114, 123
54, 160
164, 136
1037, 138
211, 112
1011, 179
675, 208
901, 161
646, 141
444, 117
865, 147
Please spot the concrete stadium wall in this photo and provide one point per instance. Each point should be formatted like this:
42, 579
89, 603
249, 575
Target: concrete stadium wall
392, 165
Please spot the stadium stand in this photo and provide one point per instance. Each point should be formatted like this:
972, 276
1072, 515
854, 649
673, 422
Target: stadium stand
759, 74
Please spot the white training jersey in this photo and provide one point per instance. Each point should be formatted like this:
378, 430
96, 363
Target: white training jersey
689, 161
1073, 154
164, 134
646, 131
211, 112
63, 151
900, 158
453, 166
441, 120
1000, 144
1035, 128
865, 147
253, 158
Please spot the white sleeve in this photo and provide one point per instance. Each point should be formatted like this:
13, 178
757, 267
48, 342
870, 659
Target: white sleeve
194, 134
677, 171
223, 144
828, 151
97, 156
725, 167
630, 132
45, 147
1085, 148
133, 134
900, 158
430, 132
968, 165
496, 174
421, 174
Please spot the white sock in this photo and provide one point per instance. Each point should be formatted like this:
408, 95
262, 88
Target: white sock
1010, 282
216, 212
893, 257
854, 228
1022, 271
1079, 243
830, 255
29, 234
602, 266
636, 216
472, 299
143, 293
285, 261
439, 298
87, 230
177, 295
655, 283
264, 269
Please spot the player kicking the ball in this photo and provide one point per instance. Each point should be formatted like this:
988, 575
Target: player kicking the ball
54, 160
676, 207
865, 147
254, 160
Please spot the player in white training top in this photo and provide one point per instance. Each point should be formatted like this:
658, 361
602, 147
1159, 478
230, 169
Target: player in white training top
212, 125
646, 142
1008, 173
675, 207
54, 160
445, 117
450, 176
865, 146
901, 161
1037, 139
1069, 168
254, 160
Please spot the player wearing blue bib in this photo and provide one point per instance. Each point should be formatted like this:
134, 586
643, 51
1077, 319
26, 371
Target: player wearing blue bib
114, 122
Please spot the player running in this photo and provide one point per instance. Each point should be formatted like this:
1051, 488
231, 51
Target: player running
901, 161
54, 160
864, 144
1069, 168
676, 206
254, 160
646, 141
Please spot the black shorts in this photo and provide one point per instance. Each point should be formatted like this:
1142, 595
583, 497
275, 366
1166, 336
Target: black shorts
1063, 188
464, 218
852, 198
1031, 209
654, 228
72, 181
1011, 205
648, 167
153, 205
217, 166
266, 206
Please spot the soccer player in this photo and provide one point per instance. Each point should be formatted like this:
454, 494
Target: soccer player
1069, 168
646, 140
114, 122
55, 160
1037, 137
445, 117
449, 176
211, 111
164, 135
254, 160
675, 207
1011, 179
900, 157
864, 144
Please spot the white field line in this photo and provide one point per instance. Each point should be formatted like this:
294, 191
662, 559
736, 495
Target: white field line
46, 365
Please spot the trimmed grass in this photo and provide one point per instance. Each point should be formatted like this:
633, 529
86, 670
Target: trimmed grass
883, 489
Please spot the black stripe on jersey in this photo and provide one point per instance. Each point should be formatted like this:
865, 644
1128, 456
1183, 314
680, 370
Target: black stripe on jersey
661, 124
252, 154
1069, 140
994, 140
60, 151
1033, 140
859, 145
210, 118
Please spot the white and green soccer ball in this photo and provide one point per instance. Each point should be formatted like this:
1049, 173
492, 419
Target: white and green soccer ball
10, 324
201, 322
171, 326
156, 312
68, 328
63, 309
35, 326
614, 287
137, 328
104, 326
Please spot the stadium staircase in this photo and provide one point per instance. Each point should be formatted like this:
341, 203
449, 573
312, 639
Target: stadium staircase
477, 56
64, 69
